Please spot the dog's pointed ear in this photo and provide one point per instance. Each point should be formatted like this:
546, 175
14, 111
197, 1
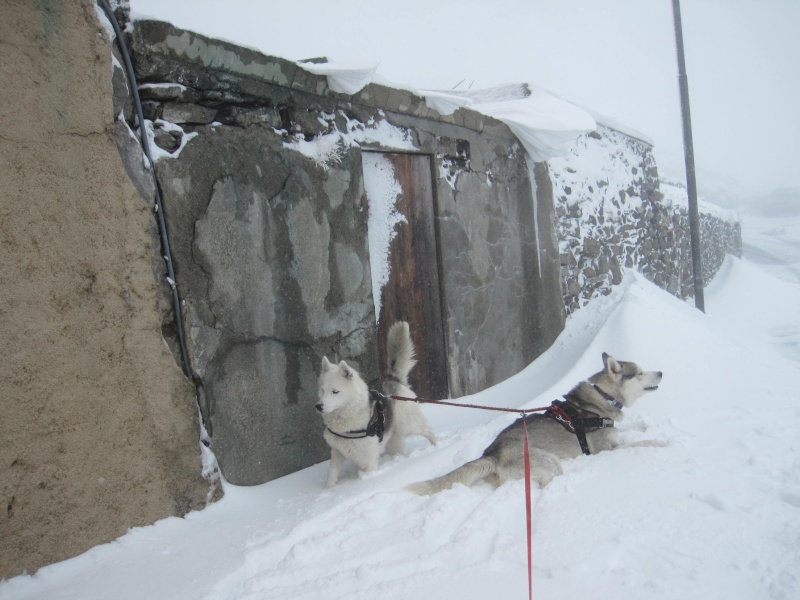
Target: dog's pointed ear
326, 365
345, 370
611, 364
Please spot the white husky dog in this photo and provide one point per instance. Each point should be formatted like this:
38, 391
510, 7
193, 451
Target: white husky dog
358, 425
582, 423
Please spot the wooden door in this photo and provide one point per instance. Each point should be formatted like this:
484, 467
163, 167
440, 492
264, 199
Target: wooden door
411, 292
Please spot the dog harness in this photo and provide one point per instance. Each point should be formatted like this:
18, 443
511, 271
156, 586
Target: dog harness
376, 425
577, 421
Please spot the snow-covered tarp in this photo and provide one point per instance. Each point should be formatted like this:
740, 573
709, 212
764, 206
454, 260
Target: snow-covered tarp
545, 125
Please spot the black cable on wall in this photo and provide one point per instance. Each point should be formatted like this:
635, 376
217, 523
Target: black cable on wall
158, 206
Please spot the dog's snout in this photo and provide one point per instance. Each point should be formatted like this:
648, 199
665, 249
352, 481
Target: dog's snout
320, 406
660, 374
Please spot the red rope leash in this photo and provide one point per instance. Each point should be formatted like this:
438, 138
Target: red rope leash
527, 455
522, 411
527, 460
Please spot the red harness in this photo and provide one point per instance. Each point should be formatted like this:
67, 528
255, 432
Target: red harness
577, 421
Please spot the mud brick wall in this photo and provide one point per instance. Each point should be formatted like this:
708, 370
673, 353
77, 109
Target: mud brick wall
100, 428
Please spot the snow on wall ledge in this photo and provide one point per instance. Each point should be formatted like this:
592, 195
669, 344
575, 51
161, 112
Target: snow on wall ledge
614, 211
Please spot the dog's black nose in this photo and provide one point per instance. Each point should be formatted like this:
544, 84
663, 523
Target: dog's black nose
319, 407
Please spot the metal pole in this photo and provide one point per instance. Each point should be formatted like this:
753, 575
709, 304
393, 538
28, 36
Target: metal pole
688, 151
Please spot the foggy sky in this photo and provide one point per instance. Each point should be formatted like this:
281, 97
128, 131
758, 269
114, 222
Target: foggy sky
614, 56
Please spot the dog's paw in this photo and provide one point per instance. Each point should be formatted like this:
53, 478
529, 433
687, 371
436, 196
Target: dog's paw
366, 475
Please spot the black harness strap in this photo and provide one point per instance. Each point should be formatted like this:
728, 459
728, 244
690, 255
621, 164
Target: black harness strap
375, 427
575, 421
377, 424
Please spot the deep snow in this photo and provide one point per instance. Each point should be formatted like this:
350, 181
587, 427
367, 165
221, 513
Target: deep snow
715, 514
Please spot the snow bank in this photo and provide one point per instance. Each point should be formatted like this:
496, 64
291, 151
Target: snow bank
713, 514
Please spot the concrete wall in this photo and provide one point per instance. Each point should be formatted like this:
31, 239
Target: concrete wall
261, 175
100, 428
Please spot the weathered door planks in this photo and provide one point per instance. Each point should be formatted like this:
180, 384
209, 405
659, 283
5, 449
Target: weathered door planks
412, 292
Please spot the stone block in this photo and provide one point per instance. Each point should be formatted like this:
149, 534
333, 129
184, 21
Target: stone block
591, 247
187, 113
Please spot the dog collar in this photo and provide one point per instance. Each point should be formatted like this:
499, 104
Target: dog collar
608, 397
355, 434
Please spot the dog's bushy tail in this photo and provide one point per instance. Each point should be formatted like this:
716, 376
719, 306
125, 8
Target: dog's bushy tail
400, 351
467, 474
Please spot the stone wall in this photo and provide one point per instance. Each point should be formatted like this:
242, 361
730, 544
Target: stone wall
614, 212
721, 234
100, 428
260, 166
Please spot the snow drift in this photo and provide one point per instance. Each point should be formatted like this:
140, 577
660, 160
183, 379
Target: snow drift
713, 514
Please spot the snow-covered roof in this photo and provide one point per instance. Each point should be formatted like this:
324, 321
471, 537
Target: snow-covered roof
349, 79
545, 124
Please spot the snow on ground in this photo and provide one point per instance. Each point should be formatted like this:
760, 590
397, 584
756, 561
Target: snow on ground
774, 234
715, 514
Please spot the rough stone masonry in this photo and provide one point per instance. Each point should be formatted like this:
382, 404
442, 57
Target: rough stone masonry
615, 212
262, 177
